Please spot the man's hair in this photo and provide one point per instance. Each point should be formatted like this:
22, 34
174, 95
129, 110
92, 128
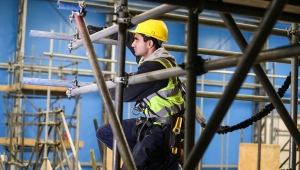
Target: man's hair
157, 43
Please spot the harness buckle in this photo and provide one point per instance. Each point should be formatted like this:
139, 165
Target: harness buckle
177, 127
138, 121
139, 108
176, 135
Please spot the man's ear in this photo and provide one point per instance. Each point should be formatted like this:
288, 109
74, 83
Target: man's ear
150, 43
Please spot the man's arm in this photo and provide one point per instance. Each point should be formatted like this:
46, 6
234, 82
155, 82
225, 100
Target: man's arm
137, 92
129, 37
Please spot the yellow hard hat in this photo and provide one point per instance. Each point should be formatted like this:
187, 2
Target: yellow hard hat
153, 28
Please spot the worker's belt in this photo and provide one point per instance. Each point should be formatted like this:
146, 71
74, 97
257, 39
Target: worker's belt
143, 123
164, 120
144, 127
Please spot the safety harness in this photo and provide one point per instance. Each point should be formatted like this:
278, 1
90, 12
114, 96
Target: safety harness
168, 117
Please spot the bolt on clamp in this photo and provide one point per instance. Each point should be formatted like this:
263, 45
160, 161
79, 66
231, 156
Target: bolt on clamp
123, 80
124, 20
70, 45
290, 32
71, 17
69, 91
82, 6
76, 35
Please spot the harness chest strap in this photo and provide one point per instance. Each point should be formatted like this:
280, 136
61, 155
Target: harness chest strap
163, 102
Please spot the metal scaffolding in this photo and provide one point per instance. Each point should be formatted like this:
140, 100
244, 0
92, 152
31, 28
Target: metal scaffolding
252, 56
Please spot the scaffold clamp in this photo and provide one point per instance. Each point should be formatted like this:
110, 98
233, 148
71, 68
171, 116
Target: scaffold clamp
82, 6
70, 45
123, 80
68, 92
71, 17
123, 20
75, 81
81, 12
197, 64
121, 8
76, 37
291, 32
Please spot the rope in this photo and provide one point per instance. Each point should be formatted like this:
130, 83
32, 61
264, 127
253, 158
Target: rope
264, 112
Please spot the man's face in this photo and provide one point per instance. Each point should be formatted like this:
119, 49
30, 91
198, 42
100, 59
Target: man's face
140, 47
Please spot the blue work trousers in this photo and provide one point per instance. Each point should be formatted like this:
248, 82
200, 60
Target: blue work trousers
151, 153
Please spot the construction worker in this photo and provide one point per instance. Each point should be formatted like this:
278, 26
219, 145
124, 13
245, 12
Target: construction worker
150, 136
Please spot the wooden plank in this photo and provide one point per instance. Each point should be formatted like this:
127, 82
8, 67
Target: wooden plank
109, 159
34, 89
94, 163
31, 142
43, 88
5, 88
270, 156
46, 165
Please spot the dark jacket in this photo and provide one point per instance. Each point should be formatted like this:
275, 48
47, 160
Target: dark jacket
137, 92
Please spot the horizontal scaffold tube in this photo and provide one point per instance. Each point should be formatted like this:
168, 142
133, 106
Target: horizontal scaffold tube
60, 36
91, 87
153, 13
90, 7
57, 83
282, 52
168, 17
209, 65
243, 97
53, 35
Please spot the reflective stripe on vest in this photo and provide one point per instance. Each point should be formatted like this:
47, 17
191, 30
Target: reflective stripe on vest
168, 100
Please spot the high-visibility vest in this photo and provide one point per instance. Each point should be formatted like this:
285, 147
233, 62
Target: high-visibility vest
168, 100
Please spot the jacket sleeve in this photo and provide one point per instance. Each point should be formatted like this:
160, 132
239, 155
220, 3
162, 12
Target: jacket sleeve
137, 92
129, 41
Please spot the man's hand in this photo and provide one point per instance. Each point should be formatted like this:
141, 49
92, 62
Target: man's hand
93, 29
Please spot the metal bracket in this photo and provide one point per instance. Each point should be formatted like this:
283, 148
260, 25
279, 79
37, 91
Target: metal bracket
124, 20
68, 92
196, 65
75, 81
291, 32
76, 37
70, 45
81, 11
121, 8
82, 6
197, 10
71, 17
123, 80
